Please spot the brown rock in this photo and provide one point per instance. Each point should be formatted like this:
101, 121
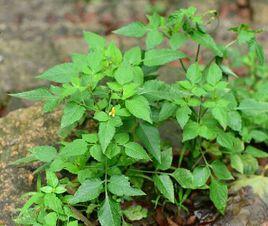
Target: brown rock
20, 130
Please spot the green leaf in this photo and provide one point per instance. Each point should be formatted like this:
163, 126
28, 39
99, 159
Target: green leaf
218, 194
237, 163
200, 176
156, 90
89, 190
183, 115
52, 179
221, 171
153, 39
90, 138
166, 159
135, 213
112, 150
165, 186
94, 41
255, 152
234, 120
53, 202
109, 213
207, 41
190, 131
44, 153
72, 223
101, 116
105, 134
133, 56
96, 152
72, 113
51, 219
260, 53
194, 73
221, 115
119, 185
156, 57
36, 94
124, 74
61, 73
167, 110
136, 151
150, 137
214, 74
225, 139
250, 163
135, 29
177, 40
184, 177
75, 148
121, 138
139, 107
253, 107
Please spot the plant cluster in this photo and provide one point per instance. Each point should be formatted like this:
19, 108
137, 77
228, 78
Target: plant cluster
96, 171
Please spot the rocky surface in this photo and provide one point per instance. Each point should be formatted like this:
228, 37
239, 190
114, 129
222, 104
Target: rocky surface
244, 208
20, 130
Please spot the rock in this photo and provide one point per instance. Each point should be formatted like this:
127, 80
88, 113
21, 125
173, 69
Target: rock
245, 208
20, 130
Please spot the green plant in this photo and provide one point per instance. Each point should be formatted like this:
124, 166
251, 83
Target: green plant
124, 150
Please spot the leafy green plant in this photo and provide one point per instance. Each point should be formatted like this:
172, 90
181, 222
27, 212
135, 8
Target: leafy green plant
120, 92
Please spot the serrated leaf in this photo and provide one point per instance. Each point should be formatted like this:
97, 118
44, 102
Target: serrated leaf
214, 74
75, 148
139, 107
36, 94
184, 177
218, 194
72, 113
110, 213
136, 151
124, 74
153, 39
225, 139
167, 110
183, 115
234, 120
221, 115
251, 106
166, 159
105, 134
255, 152
51, 219
61, 73
52, 179
207, 41
165, 186
200, 176
133, 56
237, 163
94, 41
194, 73
119, 185
88, 190
190, 131
135, 29
156, 57
149, 136
53, 202
101, 116
44, 153
135, 213
221, 171
177, 40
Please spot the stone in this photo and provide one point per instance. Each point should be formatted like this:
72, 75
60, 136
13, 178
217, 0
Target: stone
20, 130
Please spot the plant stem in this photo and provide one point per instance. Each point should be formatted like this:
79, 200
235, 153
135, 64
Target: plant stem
197, 53
183, 66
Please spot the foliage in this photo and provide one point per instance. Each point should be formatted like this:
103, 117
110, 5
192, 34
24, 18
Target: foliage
128, 104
